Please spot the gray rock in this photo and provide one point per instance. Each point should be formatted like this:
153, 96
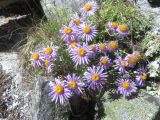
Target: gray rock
50, 6
43, 108
146, 9
10, 63
143, 107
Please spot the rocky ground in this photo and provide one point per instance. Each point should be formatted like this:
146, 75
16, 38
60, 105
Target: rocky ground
17, 91
147, 9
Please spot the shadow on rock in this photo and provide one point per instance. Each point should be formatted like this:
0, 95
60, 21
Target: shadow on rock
154, 3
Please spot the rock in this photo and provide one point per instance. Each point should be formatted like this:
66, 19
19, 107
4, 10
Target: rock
143, 107
4, 3
147, 9
50, 6
154, 3
43, 108
10, 63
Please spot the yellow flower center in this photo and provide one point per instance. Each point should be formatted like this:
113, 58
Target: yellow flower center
81, 52
144, 76
35, 56
59, 89
68, 30
73, 43
113, 45
104, 61
123, 63
102, 47
92, 47
88, 7
123, 28
114, 24
73, 84
77, 21
87, 29
126, 85
46, 62
132, 60
95, 77
48, 51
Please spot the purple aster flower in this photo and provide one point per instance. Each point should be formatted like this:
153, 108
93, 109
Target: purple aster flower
102, 47
76, 20
89, 8
131, 60
50, 52
105, 62
95, 77
81, 54
113, 26
141, 77
74, 83
48, 65
59, 92
126, 87
123, 30
68, 31
121, 65
73, 42
87, 32
36, 59
112, 46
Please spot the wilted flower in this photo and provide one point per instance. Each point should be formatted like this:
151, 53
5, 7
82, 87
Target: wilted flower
105, 62
121, 65
112, 46
89, 8
126, 87
59, 92
87, 32
131, 60
81, 54
113, 26
141, 77
48, 65
94, 49
137, 54
36, 59
95, 77
75, 84
123, 30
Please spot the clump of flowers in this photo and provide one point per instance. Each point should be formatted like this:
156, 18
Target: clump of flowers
44, 58
114, 27
97, 63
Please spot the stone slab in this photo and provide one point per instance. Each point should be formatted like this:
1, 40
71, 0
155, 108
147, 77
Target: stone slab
143, 107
